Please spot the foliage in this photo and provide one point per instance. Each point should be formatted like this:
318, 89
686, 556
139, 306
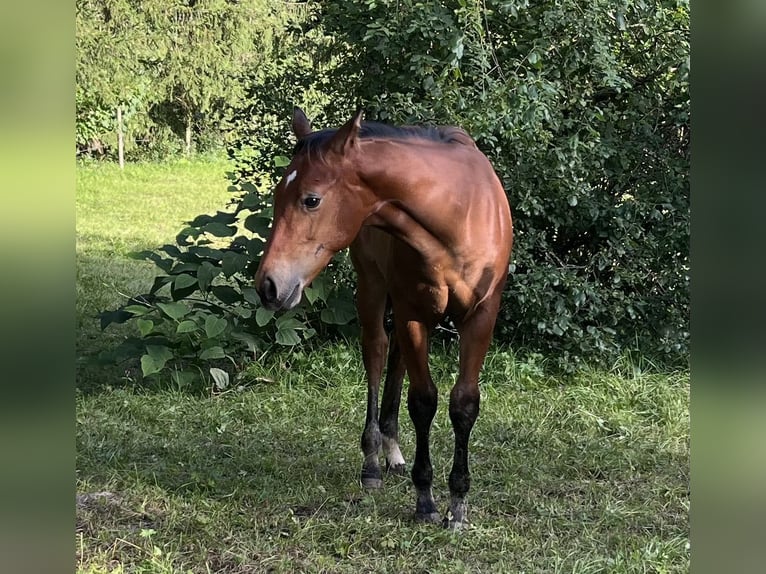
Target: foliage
588, 128
203, 311
174, 66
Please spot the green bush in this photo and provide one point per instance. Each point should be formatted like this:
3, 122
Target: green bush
583, 109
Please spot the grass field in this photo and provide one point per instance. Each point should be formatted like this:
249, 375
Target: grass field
587, 474
121, 211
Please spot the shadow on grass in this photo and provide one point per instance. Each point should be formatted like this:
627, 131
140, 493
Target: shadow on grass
104, 281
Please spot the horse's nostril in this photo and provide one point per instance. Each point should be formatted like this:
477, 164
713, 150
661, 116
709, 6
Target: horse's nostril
268, 291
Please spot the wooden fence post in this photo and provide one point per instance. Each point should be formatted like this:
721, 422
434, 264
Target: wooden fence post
120, 138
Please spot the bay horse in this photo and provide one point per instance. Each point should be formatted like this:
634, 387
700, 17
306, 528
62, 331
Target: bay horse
430, 232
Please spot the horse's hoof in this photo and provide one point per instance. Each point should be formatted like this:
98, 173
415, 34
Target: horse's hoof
372, 483
427, 517
398, 469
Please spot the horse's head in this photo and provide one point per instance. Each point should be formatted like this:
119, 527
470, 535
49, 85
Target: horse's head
319, 207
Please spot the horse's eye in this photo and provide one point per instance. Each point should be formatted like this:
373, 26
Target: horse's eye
311, 202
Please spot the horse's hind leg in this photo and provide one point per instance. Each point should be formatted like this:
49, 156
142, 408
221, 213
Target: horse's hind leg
475, 337
371, 306
389, 409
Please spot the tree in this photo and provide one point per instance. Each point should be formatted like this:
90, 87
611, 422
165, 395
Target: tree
176, 63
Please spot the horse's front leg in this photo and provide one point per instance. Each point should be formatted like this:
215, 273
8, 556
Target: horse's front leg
421, 402
475, 337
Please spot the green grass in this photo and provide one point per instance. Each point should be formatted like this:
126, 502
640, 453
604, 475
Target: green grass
587, 474
121, 211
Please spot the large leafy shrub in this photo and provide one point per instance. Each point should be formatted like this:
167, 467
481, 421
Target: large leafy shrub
583, 108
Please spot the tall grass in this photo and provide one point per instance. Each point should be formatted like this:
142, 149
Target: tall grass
583, 474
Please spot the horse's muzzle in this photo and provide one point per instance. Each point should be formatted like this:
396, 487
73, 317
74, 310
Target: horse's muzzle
276, 296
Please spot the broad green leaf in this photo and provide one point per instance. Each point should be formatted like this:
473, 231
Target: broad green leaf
116, 316
252, 201
205, 275
251, 295
224, 217
214, 326
281, 161
145, 326
182, 293
186, 327
154, 360
259, 224
227, 294
183, 237
287, 337
174, 310
159, 352
338, 312
311, 294
159, 283
244, 312
318, 289
204, 251
171, 250
219, 229
137, 310
255, 247
185, 267
212, 353
234, 263
184, 281
286, 322
201, 220
150, 366
263, 316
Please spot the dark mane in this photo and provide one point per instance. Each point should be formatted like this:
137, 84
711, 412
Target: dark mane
315, 141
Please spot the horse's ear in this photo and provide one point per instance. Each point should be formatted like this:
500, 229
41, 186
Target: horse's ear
301, 124
345, 138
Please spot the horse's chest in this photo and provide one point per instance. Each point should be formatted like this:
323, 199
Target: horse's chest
425, 289
433, 297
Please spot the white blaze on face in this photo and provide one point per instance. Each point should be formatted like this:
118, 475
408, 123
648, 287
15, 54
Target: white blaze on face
291, 177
